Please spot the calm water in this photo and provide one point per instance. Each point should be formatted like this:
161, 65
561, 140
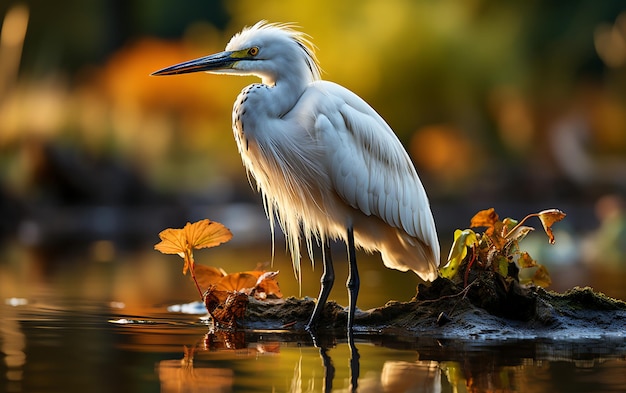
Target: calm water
96, 347
96, 321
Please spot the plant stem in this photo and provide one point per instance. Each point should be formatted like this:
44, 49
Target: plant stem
190, 261
519, 224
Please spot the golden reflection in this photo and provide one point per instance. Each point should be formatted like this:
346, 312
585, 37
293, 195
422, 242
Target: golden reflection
12, 342
295, 366
418, 376
182, 376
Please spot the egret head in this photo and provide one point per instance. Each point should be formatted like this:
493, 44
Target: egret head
268, 50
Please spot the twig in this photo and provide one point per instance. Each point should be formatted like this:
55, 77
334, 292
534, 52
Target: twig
519, 224
462, 292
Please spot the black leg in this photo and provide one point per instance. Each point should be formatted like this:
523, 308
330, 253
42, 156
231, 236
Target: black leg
355, 367
353, 279
329, 370
327, 281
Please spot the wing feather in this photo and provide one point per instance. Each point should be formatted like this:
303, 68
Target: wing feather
371, 170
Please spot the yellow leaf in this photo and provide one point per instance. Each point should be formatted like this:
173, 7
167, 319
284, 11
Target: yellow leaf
549, 217
485, 218
542, 277
458, 251
206, 233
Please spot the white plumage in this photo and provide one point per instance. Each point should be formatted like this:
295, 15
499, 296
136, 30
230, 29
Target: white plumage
326, 163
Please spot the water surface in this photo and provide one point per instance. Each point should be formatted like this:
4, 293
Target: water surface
86, 321
77, 346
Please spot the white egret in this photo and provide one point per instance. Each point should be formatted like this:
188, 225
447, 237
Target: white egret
327, 164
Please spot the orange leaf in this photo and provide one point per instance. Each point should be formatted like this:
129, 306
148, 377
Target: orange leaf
237, 282
173, 241
267, 286
201, 234
485, 218
206, 233
208, 275
549, 217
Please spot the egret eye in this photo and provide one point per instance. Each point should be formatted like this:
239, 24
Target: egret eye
253, 51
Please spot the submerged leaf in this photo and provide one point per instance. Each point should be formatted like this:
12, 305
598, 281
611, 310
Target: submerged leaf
485, 218
549, 217
458, 251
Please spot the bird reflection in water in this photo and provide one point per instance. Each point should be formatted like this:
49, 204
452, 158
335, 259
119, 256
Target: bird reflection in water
207, 365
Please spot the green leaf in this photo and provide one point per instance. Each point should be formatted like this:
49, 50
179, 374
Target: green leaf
503, 265
462, 240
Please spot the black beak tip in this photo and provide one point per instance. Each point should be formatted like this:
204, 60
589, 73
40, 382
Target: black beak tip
160, 72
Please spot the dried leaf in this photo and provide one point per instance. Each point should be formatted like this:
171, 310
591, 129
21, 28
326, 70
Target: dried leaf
173, 241
549, 217
542, 277
225, 306
508, 224
485, 218
519, 233
458, 251
206, 233
208, 275
201, 234
526, 261
237, 282
267, 287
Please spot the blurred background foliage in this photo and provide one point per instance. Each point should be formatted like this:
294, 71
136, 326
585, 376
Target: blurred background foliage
518, 105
